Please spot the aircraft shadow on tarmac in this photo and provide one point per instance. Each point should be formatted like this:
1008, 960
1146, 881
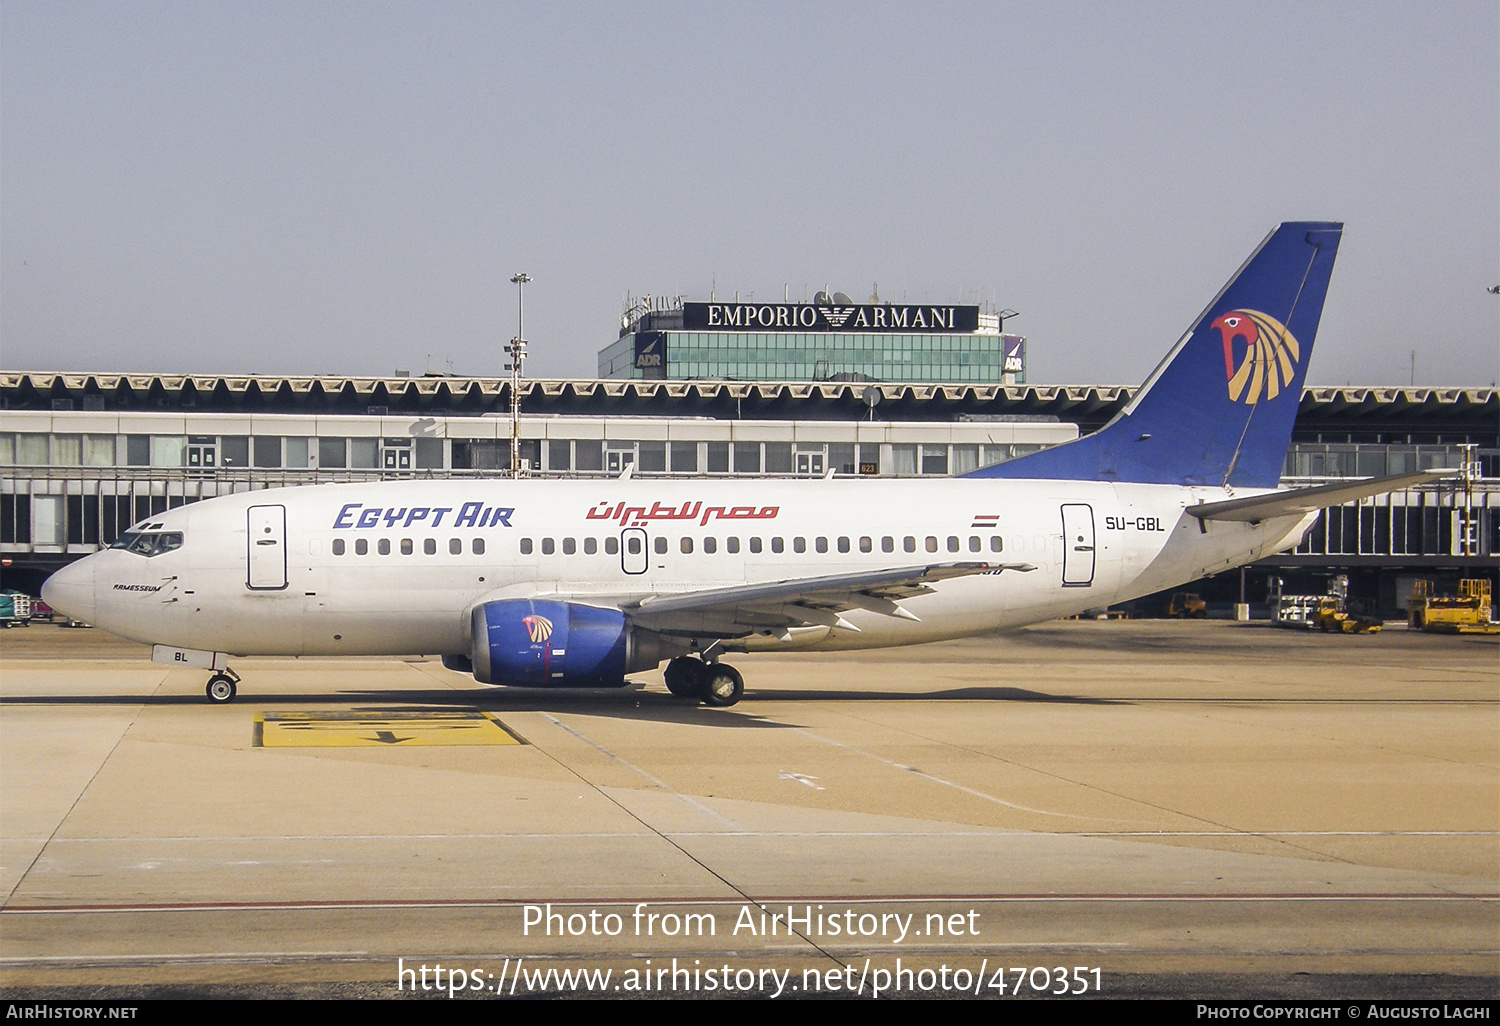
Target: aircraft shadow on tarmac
632, 701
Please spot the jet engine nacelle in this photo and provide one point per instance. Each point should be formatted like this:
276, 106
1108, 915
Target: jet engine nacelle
537, 643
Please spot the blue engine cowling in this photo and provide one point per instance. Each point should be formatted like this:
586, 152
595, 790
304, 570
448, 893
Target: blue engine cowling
538, 643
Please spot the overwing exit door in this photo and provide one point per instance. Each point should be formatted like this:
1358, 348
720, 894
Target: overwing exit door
633, 554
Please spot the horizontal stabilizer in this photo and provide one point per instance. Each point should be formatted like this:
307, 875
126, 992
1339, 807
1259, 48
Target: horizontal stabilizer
1255, 508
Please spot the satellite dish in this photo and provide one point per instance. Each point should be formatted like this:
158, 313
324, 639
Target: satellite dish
870, 396
842, 300
821, 298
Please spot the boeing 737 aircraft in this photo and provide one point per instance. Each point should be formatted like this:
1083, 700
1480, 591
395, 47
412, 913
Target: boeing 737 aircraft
578, 583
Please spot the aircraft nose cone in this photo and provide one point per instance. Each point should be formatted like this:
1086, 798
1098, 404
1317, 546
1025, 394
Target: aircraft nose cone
71, 590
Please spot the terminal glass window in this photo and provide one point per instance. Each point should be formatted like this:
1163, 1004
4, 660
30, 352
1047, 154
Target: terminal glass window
31, 450
588, 454
841, 458
684, 457
67, 450
747, 457
364, 453
234, 451
718, 457
166, 451
429, 452
296, 452
965, 459
332, 453
652, 457
934, 459
99, 450
267, 451
137, 450
901, 460
778, 457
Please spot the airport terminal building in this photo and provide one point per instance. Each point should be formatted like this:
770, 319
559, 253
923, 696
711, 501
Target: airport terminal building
83, 456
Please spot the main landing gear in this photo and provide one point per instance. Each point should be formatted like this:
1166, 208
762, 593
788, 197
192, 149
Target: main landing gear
221, 686
716, 684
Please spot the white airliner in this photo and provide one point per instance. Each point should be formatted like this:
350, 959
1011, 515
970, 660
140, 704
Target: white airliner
579, 583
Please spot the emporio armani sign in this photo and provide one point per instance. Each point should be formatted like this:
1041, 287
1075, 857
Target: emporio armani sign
884, 317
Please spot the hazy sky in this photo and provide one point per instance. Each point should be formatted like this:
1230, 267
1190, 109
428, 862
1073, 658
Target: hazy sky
346, 188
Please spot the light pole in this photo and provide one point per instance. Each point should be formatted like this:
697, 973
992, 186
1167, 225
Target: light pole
517, 352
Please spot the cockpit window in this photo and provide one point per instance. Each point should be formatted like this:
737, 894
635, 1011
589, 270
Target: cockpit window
149, 543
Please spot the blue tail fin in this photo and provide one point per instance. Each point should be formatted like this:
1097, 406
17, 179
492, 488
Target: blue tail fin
1219, 409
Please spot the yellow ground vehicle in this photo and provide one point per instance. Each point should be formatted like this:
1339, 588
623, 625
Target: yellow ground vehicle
1186, 604
1468, 613
1331, 617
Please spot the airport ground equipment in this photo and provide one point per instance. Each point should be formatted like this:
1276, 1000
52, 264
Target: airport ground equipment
1185, 605
1332, 618
1328, 612
1467, 613
15, 609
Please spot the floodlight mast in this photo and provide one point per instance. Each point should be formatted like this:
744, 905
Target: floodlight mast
517, 353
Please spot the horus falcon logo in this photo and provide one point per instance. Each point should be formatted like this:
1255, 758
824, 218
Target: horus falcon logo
1270, 355
539, 627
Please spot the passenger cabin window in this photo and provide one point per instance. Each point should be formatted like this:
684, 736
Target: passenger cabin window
731, 545
429, 546
570, 546
952, 543
996, 545
478, 546
611, 546
455, 546
590, 546
660, 545
777, 545
406, 547
548, 546
754, 544
338, 546
887, 544
686, 545
525, 546
710, 545
909, 544
384, 546
361, 547
932, 545
821, 544
799, 545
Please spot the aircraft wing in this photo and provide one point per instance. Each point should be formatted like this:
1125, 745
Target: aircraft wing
800, 602
1255, 508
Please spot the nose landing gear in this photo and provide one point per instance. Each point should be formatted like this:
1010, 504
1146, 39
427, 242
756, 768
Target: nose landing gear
716, 684
221, 686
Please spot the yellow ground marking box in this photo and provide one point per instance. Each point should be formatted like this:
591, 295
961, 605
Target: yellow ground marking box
379, 728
